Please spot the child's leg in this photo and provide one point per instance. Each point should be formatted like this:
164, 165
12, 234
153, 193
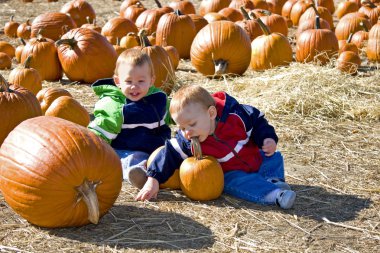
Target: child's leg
249, 186
272, 166
134, 166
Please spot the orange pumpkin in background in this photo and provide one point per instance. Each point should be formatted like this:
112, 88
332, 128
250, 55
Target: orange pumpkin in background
80, 11
10, 28
50, 177
16, 105
47, 96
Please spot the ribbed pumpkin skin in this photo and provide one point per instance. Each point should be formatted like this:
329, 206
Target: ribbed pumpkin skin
223, 40
269, 51
148, 20
66, 107
201, 179
311, 43
16, 106
46, 96
79, 10
26, 77
118, 27
90, 59
177, 31
350, 23
373, 47
50, 25
44, 58
42, 161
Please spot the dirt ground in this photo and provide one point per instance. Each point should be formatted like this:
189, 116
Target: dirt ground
329, 129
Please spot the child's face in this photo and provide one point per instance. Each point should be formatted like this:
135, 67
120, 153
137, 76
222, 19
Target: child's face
134, 81
196, 121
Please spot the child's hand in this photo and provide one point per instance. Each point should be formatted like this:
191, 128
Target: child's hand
269, 146
149, 190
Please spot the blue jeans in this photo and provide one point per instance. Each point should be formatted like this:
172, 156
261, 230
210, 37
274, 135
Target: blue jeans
131, 158
255, 186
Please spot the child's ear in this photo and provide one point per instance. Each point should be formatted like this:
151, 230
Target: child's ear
116, 80
212, 112
153, 80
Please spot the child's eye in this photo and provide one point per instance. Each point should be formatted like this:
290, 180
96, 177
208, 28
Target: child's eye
193, 124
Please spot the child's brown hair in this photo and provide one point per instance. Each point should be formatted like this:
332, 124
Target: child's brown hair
190, 94
135, 57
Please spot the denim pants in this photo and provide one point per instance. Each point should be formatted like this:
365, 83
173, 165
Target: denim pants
131, 158
255, 186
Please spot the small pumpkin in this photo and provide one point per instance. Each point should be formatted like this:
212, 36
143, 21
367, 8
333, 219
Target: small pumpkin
47, 96
360, 37
66, 107
5, 61
250, 25
132, 12
10, 28
92, 25
26, 77
173, 181
16, 105
24, 30
6, 47
48, 174
201, 177
117, 27
18, 51
129, 41
80, 11
348, 62
347, 45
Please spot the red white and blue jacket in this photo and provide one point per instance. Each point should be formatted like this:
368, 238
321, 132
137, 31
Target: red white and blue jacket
239, 133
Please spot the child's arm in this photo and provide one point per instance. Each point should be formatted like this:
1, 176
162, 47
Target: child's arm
108, 119
261, 130
163, 166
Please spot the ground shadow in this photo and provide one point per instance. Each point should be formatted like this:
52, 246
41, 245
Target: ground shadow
142, 228
312, 202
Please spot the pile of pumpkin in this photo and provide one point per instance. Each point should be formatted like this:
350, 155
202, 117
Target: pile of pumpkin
49, 164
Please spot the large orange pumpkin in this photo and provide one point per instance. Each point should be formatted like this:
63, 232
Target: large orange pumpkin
86, 56
52, 25
221, 47
55, 173
173, 181
16, 105
66, 107
201, 177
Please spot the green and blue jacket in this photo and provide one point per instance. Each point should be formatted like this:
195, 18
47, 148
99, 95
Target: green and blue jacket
130, 125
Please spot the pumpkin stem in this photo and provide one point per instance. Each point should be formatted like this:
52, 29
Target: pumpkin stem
350, 38
196, 145
27, 61
159, 5
317, 22
245, 13
144, 41
220, 65
87, 192
22, 41
4, 85
71, 42
315, 9
263, 27
178, 12
365, 28
265, 12
11, 18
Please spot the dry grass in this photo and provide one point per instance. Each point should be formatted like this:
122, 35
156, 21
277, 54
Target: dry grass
329, 129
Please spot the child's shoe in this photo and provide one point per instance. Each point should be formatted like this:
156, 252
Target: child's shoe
285, 199
279, 183
136, 176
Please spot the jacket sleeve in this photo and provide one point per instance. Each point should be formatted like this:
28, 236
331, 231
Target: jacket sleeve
260, 126
108, 118
169, 159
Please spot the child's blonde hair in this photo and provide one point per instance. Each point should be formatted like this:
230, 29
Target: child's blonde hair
190, 94
135, 57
